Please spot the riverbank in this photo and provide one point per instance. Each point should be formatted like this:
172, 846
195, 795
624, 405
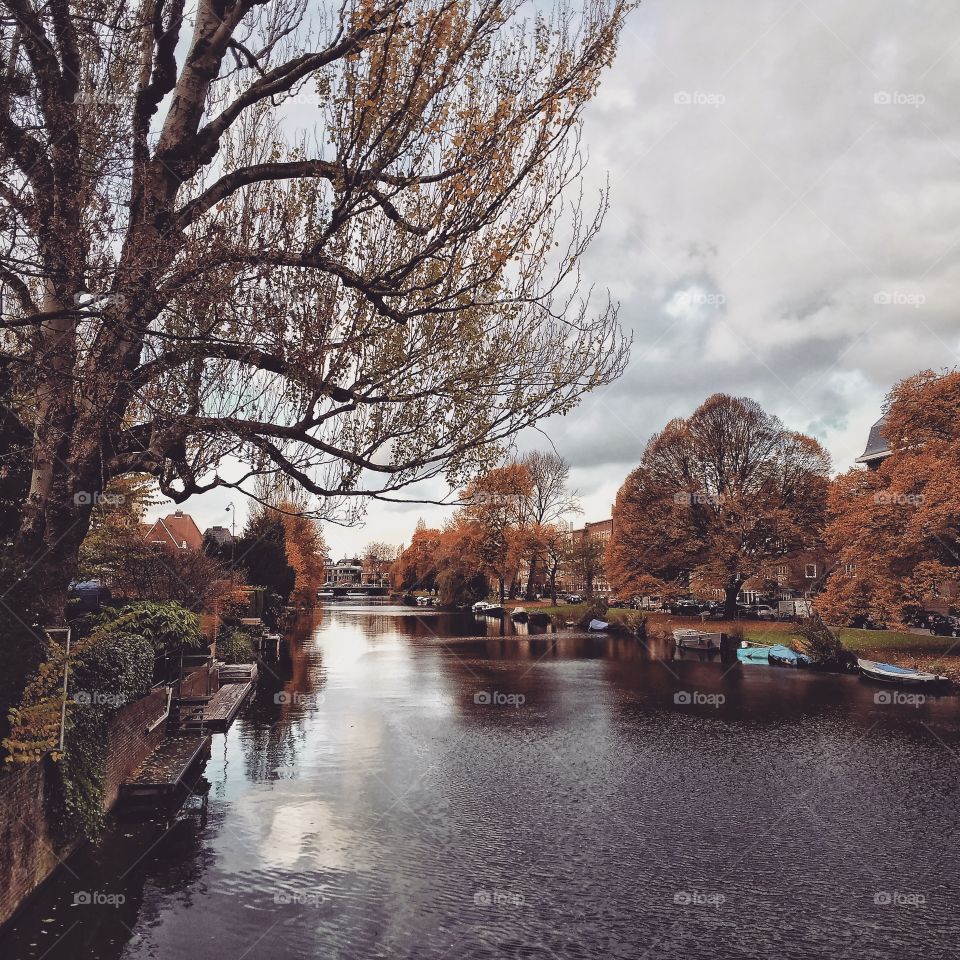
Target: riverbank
921, 651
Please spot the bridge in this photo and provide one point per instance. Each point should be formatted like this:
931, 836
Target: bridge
340, 590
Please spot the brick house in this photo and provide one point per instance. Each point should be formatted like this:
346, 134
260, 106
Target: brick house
175, 531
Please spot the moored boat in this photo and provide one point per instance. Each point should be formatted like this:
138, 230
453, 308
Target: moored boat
753, 654
697, 639
519, 615
903, 676
597, 625
785, 657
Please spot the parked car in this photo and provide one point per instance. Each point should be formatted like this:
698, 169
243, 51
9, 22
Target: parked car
763, 611
866, 622
713, 610
574, 598
942, 625
684, 608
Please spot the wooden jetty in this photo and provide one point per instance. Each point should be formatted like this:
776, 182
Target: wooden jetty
217, 713
166, 770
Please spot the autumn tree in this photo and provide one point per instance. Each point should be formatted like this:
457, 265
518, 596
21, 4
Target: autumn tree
895, 530
377, 559
495, 505
718, 495
548, 499
306, 552
416, 566
187, 284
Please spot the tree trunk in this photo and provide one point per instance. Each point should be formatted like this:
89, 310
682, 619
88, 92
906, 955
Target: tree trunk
531, 577
730, 594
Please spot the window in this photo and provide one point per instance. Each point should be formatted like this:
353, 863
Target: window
810, 571
782, 570
849, 569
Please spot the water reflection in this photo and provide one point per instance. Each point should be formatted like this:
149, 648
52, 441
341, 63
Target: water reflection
409, 783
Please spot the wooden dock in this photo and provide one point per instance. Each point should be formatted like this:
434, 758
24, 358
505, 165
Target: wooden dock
166, 769
219, 711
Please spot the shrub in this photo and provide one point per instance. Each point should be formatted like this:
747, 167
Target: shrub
636, 623
823, 646
165, 625
596, 610
236, 647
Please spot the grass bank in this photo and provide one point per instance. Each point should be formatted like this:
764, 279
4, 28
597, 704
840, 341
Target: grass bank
922, 651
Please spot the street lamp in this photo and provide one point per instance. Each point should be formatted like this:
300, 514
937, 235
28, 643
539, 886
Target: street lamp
232, 510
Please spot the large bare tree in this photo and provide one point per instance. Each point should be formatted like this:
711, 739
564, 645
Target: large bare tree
337, 243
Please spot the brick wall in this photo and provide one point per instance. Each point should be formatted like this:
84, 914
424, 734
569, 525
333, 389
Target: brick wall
129, 743
27, 855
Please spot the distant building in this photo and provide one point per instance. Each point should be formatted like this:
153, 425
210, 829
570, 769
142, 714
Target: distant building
571, 578
221, 536
347, 572
877, 449
176, 531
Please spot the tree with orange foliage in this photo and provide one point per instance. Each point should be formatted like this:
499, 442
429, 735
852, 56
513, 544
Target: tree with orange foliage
306, 553
495, 506
416, 566
718, 495
896, 529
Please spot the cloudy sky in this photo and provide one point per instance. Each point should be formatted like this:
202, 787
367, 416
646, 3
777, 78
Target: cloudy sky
785, 201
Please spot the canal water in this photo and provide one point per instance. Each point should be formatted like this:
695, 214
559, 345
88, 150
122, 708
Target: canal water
411, 784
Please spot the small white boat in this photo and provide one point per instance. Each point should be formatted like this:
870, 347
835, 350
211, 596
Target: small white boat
696, 639
902, 676
597, 625
519, 615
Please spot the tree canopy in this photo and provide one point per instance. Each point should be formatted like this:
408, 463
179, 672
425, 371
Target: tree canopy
715, 497
380, 298
895, 530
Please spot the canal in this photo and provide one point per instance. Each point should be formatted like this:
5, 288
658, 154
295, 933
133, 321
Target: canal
403, 786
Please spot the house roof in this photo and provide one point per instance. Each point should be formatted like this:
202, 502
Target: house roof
178, 529
877, 446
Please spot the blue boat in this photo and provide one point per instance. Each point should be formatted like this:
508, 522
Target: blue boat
753, 654
900, 676
786, 657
